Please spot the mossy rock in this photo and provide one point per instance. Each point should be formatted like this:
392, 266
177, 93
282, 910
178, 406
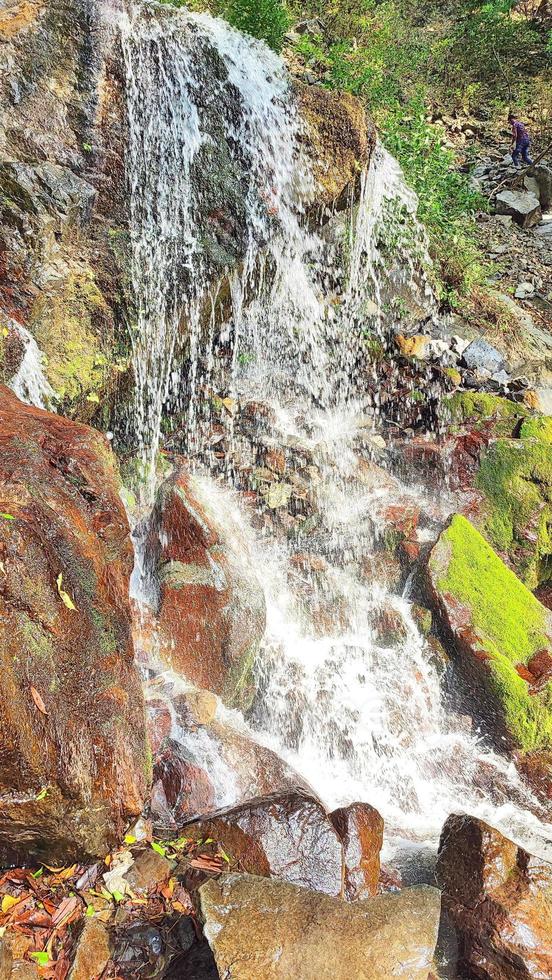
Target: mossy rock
498, 626
478, 408
72, 325
516, 478
538, 428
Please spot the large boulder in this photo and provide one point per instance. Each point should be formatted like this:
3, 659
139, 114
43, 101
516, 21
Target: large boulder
515, 477
339, 139
523, 206
503, 636
289, 837
201, 761
501, 459
275, 930
211, 615
542, 175
73, 763
499, 899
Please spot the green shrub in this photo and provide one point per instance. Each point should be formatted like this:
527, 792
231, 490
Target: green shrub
267, 20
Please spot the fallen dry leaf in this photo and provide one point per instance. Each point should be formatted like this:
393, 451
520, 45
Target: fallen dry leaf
65, 911
38, 700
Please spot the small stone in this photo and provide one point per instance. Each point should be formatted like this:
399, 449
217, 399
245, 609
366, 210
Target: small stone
92, 951
482, 356
416, 346
459, 344
378, 442
150, 869
525, 290
501, 378
540, 399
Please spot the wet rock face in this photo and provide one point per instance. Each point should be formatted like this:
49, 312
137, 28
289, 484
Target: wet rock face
499, 899
63, 245
339, 139
209, 765
73, 752
360, 827
211, 609
289, 837
301, 934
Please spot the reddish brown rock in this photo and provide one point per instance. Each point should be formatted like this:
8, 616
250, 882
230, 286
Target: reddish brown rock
212, 612
187, 788
72, 736
499, 899
390, 879
149, 870
92, 952
289, 837
207, 765
360, 828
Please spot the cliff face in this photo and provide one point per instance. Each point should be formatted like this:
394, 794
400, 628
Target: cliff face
64, 198
63, 239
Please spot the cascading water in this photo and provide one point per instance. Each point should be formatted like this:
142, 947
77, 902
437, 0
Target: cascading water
358, 716
29, 382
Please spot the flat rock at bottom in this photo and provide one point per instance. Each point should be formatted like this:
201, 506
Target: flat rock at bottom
258, 927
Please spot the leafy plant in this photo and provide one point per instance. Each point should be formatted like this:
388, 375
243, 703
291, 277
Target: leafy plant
267, 20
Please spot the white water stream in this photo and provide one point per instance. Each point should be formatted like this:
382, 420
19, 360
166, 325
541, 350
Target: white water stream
358, 717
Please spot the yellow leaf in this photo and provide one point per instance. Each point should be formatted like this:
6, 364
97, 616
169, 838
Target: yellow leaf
93, 398
64, 596
8, 902
5, 332
67, 872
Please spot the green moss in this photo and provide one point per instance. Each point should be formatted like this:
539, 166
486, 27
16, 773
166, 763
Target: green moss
509, 622
516, 478
478, 406
538, 428
453, 375
69, 326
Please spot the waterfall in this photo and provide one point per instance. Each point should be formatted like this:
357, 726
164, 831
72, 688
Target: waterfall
29, 382
360, 717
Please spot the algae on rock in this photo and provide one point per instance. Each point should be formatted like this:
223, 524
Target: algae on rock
516, 478
500, 629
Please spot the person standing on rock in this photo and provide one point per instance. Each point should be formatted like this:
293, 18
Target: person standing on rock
521, 141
